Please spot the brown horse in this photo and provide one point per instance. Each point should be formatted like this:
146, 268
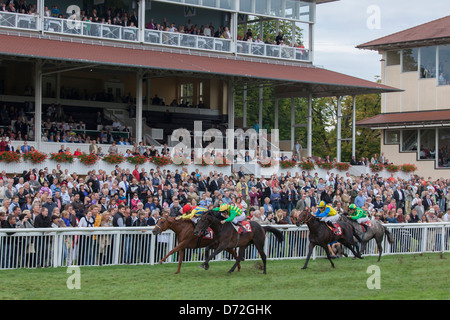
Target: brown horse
184, 229
228, 238
321, 235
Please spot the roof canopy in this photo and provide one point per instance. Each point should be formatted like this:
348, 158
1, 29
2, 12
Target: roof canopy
407, 119
292, 78
431, 33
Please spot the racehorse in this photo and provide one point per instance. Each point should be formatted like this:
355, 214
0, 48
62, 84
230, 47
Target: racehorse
228, 238
184, 229
376, 231
321, 235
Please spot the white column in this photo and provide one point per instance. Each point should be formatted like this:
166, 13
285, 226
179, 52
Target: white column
38, 104
276, 117
309, 133
244, 107
141, 20
139, 77
292, 123
230, 102
354, 127
339, 129
260, 100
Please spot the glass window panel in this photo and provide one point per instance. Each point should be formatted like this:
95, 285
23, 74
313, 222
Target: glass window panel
227, 4
209, 3
393, 57
245, 5
261, 6
410, 58
428, 62
444, 65
409, 140
444, 148
391, 136
306, 10
427, 144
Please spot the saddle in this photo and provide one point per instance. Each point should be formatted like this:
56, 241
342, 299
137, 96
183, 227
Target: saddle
209, 234
366, 225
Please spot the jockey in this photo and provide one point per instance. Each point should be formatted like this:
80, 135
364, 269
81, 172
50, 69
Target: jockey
233, 213
192, 213
327, 214
359, 215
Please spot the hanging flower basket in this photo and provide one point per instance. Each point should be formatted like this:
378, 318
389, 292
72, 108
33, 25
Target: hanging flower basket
325, 165
181, 161
287, 164
62, 157
307, 165
376, 167
408, 167
342, 166
161, 161
137, 159
34, 157
221, 162
202, 162
88, 159
9, 157
114, 158
392, 168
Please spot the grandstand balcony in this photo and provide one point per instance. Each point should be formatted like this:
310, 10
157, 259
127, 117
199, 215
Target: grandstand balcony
225, 13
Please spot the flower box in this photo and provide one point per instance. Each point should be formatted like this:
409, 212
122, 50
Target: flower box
34, 157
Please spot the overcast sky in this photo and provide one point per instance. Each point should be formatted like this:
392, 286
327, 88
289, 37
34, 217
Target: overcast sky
342, 25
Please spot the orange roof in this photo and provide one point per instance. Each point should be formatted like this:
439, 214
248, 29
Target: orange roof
433, 32
406, 118
143, 57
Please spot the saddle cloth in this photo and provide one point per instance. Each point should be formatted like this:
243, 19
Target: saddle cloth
209, 234
246, 225
337, 230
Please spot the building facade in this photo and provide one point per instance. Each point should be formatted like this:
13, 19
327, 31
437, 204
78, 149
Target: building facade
415, 122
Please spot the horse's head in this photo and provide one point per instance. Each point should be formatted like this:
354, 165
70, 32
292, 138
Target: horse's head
303, 217
162, 225
203, 223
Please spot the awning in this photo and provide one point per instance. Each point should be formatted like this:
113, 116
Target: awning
307, 78
407, 120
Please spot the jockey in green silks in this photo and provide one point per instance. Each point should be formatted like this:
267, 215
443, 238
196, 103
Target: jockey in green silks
233, 214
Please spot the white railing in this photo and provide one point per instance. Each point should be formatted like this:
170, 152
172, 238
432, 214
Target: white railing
18, 20
70, 27
30, 248
187, 41
272, 51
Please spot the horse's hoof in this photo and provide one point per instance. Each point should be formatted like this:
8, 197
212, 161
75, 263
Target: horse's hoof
160, 262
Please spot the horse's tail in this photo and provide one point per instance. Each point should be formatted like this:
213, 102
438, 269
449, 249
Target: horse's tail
388, 235
277, 233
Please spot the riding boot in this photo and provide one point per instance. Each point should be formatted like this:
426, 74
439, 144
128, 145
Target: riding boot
330, 224
240, 225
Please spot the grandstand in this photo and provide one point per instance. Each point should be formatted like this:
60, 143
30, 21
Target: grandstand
91, 58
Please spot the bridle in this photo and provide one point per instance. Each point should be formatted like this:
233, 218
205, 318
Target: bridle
157, 226
308, 218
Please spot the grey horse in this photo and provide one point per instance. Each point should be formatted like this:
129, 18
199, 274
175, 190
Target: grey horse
377, 232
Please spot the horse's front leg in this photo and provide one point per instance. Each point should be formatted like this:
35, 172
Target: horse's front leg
177, 248
216, 252
310, 250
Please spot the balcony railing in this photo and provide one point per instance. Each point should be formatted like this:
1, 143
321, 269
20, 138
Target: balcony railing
272, 51
89, 29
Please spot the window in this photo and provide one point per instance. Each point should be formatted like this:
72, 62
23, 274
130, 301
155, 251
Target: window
410, 58
393, 58
187, 94
409, 140
444, 65
444, 148
391, 137
427, 144
427, 62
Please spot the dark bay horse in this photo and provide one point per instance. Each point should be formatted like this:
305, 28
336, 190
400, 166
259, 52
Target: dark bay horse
184, 229
228, 238
321, 235
377, 232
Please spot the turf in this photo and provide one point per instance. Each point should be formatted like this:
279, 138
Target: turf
408, 277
